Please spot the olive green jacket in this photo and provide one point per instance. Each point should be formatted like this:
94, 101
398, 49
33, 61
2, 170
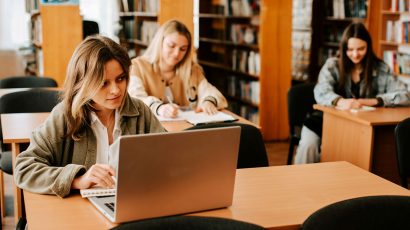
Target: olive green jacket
52, 160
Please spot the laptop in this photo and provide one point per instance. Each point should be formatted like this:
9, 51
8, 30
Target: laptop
163, 174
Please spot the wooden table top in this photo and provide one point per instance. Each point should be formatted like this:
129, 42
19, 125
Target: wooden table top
17, 127
380, 116
279, 197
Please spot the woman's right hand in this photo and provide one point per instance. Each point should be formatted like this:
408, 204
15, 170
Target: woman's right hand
99, 175
168, 110
346, 104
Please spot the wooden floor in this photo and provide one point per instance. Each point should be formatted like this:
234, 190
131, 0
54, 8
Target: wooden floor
277, 154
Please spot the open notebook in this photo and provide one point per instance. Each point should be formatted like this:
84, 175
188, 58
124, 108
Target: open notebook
200, 118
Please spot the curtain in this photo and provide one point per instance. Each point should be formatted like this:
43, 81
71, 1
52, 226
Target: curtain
14, 22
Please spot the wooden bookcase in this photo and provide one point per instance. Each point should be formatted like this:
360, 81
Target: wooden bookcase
55, 32
229, 41
394, 43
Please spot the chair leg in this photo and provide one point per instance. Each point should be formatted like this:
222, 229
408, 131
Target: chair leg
404, 182
2, 195
290, 153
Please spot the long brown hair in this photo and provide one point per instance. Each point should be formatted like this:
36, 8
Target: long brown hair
369, 61
85, 76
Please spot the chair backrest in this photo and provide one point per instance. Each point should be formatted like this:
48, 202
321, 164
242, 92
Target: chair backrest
189, 222
371, 212
252, 151
27, 82
300, 103
29, 101
90, 28
402, 138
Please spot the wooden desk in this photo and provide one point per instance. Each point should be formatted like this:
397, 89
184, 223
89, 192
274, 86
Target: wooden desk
365, 139
17, 129
279, 197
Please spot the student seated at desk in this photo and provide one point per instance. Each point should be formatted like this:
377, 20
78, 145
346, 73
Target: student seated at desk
354, 79
167, 75
72, 148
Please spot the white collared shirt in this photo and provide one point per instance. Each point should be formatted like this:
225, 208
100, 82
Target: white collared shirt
106, 153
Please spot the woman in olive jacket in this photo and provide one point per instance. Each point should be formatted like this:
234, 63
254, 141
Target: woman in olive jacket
73, 148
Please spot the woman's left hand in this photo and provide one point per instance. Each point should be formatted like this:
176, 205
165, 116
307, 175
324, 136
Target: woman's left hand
208, 108
368, 101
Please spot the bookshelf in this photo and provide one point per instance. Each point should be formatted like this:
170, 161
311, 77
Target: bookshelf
394, 44
56, 29
244, 49
301, 39
141, 18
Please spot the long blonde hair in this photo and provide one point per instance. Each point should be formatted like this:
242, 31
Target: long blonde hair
153, 53
85, 76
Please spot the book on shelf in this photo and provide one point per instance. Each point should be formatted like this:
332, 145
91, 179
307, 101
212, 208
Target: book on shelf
348, 9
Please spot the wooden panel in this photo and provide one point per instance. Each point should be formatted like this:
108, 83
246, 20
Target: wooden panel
275, 76
62, 32
340, 142
384, 161
181, 10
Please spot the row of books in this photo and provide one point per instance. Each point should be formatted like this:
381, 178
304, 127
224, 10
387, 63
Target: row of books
400, 5
398, 62
347, 8
398, 31
35, 33
326, 53
333, 33
32, 6
243, 34
302, 14
150, 6
246, 90
239, 7
143, 31
250, 113
301, 42
246, 61
301, 38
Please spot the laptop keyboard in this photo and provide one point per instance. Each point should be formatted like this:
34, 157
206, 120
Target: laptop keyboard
110, 206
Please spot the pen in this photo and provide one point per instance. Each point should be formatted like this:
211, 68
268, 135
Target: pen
170, 100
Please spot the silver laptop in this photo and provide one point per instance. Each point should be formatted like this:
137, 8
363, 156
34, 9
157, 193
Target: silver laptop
173, 173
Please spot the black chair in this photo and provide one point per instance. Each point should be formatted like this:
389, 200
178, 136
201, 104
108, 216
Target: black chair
29, 101
188, 222
402, 138
371, 212
90, 28
27, 82
300, 103
252, 152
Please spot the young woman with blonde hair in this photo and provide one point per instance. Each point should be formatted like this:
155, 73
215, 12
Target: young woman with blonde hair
73, 148
167, 75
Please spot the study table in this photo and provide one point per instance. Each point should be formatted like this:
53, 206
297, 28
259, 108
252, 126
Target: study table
364, 138
276, 197
17, 129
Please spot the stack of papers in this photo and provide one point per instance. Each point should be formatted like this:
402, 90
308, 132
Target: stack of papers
200, 118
